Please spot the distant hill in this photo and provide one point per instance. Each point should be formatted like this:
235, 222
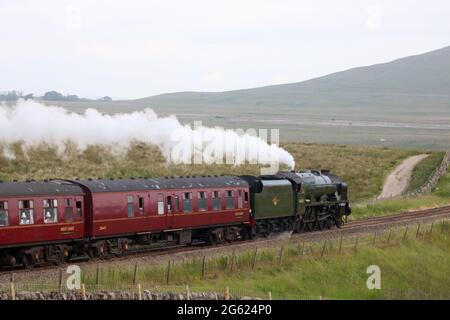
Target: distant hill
411, 82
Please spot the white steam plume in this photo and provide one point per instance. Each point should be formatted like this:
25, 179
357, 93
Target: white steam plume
33, 123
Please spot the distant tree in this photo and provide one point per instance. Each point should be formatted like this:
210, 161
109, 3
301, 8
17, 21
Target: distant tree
53, 96
56, 96
10, 96
105, 99
72, 97
29, 96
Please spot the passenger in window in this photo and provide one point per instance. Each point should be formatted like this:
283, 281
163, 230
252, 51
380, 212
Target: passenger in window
50, 211
26, 212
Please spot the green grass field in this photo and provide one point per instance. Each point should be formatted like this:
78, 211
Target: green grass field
411, 268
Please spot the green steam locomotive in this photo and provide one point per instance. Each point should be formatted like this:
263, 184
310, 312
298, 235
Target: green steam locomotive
297, 201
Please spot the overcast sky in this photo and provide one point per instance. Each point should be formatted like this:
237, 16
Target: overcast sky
132, 49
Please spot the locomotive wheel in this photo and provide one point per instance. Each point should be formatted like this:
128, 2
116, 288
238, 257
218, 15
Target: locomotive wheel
310, 226
268, 230
320, 224
59, 258
339, 222
27, 262
297, 226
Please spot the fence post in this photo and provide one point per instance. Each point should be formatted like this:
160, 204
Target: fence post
13, 287
340, 243
60, 285
254, 258
269, 295
188, 293
83, 292
226, 295
406, 232
443, 225
168, 272
303, 249
323, 248
431, 228
281, 255
374, 238
232, 260
389, 237
135, 273
356, 242
139, 291
97, 276
418, 230
203, 267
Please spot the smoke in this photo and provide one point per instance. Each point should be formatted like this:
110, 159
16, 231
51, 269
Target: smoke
33, 123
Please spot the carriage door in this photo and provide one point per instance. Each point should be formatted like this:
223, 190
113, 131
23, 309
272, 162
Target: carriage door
240, 202
170, 210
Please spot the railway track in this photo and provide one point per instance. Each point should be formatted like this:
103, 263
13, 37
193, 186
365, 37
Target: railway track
361, 226
426, 214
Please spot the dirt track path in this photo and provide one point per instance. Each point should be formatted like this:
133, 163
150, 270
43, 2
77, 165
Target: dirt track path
398, 180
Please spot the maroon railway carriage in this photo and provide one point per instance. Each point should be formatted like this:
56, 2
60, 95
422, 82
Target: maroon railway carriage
39, 220
175, 210
58, 220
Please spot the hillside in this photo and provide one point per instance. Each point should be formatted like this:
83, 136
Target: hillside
415, 81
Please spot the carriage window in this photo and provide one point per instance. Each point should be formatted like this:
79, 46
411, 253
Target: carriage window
246, 197
201, 201
160, 203
169, 204
130, 206
215, 200
3, 213
187, 202
78, 206
141, 204
26, 212
50, 211
240, 199
68, 213
229, 200
176, 204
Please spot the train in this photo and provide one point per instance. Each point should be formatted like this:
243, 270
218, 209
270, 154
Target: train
58, 221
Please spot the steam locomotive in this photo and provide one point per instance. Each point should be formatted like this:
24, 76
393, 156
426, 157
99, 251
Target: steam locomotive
54, 221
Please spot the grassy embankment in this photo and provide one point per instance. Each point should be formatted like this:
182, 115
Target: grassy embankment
411, 268
424, 169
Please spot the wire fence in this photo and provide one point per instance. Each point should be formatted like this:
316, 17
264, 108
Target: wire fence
143, 281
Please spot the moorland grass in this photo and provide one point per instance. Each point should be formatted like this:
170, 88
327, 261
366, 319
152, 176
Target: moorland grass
363, 168
424, 169
411, 268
